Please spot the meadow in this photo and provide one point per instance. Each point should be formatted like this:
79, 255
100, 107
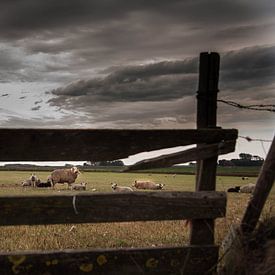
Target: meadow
127, 234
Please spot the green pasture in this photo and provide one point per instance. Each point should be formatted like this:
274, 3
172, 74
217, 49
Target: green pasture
10, 181
127, 234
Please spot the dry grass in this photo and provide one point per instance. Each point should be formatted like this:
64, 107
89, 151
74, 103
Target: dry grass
130, 234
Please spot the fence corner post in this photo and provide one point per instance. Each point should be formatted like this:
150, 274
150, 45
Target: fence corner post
202, 231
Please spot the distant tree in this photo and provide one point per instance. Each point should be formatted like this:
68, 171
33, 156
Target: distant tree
107, 163
244, 160
256, 158
225, 162
245, 156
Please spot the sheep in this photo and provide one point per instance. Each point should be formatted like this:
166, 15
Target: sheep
244, 178
235, 189
26, 183
64, 175
117, 188
248, 188
80, 186
139, 184
34, 179
43, 184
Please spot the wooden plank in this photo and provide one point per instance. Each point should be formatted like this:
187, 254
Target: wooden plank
262, 189
169, 260
203, 152
202, 232
95, 145
110, 207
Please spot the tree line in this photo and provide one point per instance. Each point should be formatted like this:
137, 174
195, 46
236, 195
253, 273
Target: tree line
104, 163
243, 160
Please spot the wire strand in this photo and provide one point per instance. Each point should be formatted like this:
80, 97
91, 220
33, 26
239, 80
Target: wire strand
262, 143
255, 139
255, 107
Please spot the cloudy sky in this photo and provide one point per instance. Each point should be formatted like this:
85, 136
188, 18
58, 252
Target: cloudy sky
134, 64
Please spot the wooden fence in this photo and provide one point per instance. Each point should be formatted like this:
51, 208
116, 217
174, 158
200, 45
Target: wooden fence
201, 207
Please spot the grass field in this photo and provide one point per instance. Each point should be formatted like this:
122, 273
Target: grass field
128, 234
239, 171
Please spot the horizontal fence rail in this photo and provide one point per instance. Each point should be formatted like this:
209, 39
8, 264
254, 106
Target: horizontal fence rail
203, 152
111, 207
176, 260
97, 145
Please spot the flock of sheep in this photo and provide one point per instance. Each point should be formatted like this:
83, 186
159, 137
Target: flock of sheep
57, 176
69, 176
138, 184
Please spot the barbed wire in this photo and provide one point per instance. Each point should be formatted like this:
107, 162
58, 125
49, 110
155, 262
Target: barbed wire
255, 139
249, 139
255, 107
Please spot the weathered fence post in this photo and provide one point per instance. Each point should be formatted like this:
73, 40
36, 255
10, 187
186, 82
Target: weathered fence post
263, 186
202, 231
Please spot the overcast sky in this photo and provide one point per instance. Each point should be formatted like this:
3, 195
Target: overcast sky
134, 64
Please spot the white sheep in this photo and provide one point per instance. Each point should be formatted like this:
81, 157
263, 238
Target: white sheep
79, 186
64, 175
34, 179
140, 184
26, 183
248, 188
117, 188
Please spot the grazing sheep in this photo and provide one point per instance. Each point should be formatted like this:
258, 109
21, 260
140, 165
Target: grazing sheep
139, 184
117, 188
244, 178
248, 188
235, 189
79, 186
64, 175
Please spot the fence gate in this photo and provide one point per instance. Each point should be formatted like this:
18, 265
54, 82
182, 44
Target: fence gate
201, 207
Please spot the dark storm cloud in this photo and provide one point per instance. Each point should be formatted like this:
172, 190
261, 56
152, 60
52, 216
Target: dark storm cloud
102, 44
156, 93
153, 82
248, 68
83, 36
121, 27
46, 14
169, 80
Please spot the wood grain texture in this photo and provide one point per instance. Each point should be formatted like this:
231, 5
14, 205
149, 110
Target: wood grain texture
110, 207
202, 232
203, 152
97, 145
177, 260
